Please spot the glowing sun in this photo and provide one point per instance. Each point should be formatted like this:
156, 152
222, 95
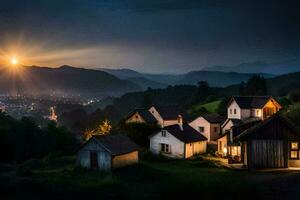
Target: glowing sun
14, 61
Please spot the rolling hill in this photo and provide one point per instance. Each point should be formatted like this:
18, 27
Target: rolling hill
260, 67
65, 80
214, 78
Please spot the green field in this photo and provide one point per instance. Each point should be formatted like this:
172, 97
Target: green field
151, 179
211, 107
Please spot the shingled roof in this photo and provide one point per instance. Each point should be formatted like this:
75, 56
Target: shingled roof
213, 118
171, 112
246, 102
116, 144
245, 134
187, 134
144, 113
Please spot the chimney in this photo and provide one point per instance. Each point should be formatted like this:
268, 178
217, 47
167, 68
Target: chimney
180, 122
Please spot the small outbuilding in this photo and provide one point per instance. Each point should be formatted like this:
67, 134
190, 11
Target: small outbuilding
108, 152
273, 143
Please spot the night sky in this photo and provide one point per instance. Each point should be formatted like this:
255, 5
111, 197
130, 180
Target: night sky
150, 35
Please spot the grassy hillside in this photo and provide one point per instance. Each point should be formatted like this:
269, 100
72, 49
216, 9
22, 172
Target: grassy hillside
210, 107
151, 179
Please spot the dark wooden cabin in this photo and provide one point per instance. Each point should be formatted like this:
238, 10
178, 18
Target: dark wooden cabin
273, 143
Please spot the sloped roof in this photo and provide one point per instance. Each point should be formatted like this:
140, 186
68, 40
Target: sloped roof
246, 102
117, 144
245, 134
186, 135
171, 112
240, 122
213, 118
144, 113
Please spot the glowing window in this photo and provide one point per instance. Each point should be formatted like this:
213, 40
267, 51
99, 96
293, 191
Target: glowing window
294, 145
294, 155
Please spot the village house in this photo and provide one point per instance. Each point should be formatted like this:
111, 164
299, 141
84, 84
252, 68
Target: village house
107, 152
242, 107
178, 141
243, 113
208, 125
140, 115
273, 143
168, 115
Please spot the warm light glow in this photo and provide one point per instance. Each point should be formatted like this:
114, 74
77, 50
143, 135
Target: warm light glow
225, 150
14, 61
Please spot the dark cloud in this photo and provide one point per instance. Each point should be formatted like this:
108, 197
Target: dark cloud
161, 34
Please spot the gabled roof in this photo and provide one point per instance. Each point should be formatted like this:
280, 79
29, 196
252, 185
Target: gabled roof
116, 144
248, 102
245, 134
144, 113
187, 134
213, 118
171, 112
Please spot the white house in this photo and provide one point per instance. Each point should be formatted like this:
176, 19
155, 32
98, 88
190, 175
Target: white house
208, 125
107, 152
241, 107
243, 113
168, 115
178, 141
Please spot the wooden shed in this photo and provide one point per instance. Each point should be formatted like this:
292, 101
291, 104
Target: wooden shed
273, 143
107, 152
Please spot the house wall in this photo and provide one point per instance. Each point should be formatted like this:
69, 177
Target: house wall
214, 134
256, 113
195, 148
233, 106
223, 146
294, 163
160, 120
245, 113
125, 159
266, 154
135, 118
176, 146
200, 121
83, 156
227, 127
157, 116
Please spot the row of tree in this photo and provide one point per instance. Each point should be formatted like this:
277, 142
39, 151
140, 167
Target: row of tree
23, 139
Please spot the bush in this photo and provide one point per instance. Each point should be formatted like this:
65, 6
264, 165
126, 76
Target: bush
33, 164
24, 172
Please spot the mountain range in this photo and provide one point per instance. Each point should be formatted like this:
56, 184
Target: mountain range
64, 80
278, 68
214, 78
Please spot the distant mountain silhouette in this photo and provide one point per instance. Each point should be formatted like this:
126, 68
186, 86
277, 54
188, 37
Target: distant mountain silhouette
260, 67
63, 80
123, 73
214, 78
217, 79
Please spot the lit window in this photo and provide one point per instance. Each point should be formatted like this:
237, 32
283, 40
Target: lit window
294, 150
294, 145
294, 155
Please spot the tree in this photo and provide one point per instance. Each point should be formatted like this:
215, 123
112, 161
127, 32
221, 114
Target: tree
102, 129
256, 85
242, 88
